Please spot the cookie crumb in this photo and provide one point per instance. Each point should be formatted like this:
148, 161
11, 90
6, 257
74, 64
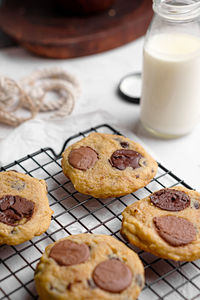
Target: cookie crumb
139, 280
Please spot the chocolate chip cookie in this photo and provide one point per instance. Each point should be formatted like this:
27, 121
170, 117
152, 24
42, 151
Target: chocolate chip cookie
166, 224
24, 208
89, 266
106, 165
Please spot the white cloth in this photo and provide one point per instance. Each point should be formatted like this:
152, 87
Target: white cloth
36, 134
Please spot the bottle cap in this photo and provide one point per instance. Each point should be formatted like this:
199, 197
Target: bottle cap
129, 87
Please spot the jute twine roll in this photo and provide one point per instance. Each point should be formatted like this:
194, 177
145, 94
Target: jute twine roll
31, 92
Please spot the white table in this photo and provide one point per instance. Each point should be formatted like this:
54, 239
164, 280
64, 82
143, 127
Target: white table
99, 76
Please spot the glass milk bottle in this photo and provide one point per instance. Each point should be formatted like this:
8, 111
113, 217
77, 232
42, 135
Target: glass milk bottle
170, 102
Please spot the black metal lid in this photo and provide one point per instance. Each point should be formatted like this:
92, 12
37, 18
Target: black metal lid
129, 87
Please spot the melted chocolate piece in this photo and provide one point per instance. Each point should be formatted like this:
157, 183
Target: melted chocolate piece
112, 276
174, 230
123, 158
83, 158
68, 253
170, 199
15, 208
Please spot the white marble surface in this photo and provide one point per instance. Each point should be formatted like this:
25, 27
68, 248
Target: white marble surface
99, 76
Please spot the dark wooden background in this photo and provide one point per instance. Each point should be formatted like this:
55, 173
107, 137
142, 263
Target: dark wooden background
42, 29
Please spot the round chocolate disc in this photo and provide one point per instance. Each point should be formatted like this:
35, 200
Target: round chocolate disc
15, 208
83, 158
170, 199
174, 230
112, 276
123, 158
68, 253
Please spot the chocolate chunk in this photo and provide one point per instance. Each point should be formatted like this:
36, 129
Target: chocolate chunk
170, 199
9, 217
123, 158
22, 206
6, 202
112, 276
14, 230
83, 158
15, 208
68, 253
124, 144
91, 283
174, 230
196, 204
70, 285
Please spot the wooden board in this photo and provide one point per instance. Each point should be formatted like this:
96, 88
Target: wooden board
43, 30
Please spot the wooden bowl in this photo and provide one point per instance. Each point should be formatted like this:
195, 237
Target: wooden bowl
84, 7
45, 31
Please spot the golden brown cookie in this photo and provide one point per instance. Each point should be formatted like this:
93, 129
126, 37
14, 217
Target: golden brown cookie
24, 207
106, 165
166, 223
89, 266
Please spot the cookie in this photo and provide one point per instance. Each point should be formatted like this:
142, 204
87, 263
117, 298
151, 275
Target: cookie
166, 223
24, 207
89, 266
106, 165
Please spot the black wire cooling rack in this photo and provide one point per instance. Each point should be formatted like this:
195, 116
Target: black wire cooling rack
77, 213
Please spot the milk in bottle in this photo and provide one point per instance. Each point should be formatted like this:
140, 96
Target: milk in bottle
170, 102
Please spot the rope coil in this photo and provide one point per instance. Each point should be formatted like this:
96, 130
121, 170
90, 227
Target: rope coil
31, 92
